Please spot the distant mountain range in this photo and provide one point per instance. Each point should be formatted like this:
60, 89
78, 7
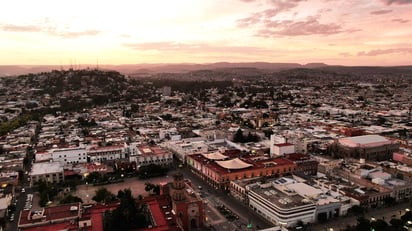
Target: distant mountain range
138, 69
6, 70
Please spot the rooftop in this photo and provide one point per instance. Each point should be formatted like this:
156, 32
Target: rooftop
280, 198
284, 145
240, 164
45, 168
234, 164
215, 156
50, 214
367, 140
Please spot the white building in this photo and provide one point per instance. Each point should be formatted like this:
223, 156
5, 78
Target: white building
48, 171
280, 207
281, 149
146, 155
108, 153
69, 155
286, 201
185, 147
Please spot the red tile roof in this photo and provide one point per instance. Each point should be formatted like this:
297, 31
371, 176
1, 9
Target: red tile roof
283, 144
54, 213
97, 215
256, 161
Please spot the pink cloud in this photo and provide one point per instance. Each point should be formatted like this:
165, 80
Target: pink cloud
309, 26
75, 34
378, 12
345, 54
400, 20
20, 28
400, 2
47, 29
277, 6
385, 51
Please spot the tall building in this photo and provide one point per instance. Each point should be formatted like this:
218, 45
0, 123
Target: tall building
187, 206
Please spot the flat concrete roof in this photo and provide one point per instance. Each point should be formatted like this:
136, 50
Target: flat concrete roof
305, 190
367, 140
281, 199
45, 168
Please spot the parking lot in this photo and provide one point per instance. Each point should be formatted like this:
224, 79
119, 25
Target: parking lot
29, 201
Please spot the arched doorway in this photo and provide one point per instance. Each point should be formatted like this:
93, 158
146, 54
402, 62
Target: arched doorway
193, 224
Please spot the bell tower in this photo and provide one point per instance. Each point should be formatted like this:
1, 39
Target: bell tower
178, 187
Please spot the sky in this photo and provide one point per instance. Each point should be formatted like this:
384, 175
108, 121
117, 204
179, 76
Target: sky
336, 32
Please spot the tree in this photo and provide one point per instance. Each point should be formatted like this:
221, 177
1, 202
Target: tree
238, 137
396, 224
93, 177
268, 133
251, 138
363, 224
103, 195
406, 217
70, 199
357, 210
152, 188
128, 216
47, 191
379, 225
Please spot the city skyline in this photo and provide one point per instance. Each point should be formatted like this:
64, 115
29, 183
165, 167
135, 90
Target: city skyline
376, 32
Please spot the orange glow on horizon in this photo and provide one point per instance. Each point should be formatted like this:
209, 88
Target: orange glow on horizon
374, 32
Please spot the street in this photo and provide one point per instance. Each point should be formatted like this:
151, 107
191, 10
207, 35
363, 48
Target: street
216, 198
212, 198
385, 214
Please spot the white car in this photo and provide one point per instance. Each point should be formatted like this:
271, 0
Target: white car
23, 190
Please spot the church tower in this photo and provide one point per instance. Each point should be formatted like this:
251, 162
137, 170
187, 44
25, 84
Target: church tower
178, 187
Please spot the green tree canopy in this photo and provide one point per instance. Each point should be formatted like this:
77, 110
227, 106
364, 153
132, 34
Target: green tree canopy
129, 215
103, 195
70, 199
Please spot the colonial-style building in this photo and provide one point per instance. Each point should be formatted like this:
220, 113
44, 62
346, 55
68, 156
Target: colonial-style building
219, 169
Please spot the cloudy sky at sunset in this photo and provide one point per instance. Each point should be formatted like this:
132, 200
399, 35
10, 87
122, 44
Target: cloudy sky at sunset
348, 32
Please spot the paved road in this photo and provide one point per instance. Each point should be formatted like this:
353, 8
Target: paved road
212, 198
21, 200
386, 214
217, 197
